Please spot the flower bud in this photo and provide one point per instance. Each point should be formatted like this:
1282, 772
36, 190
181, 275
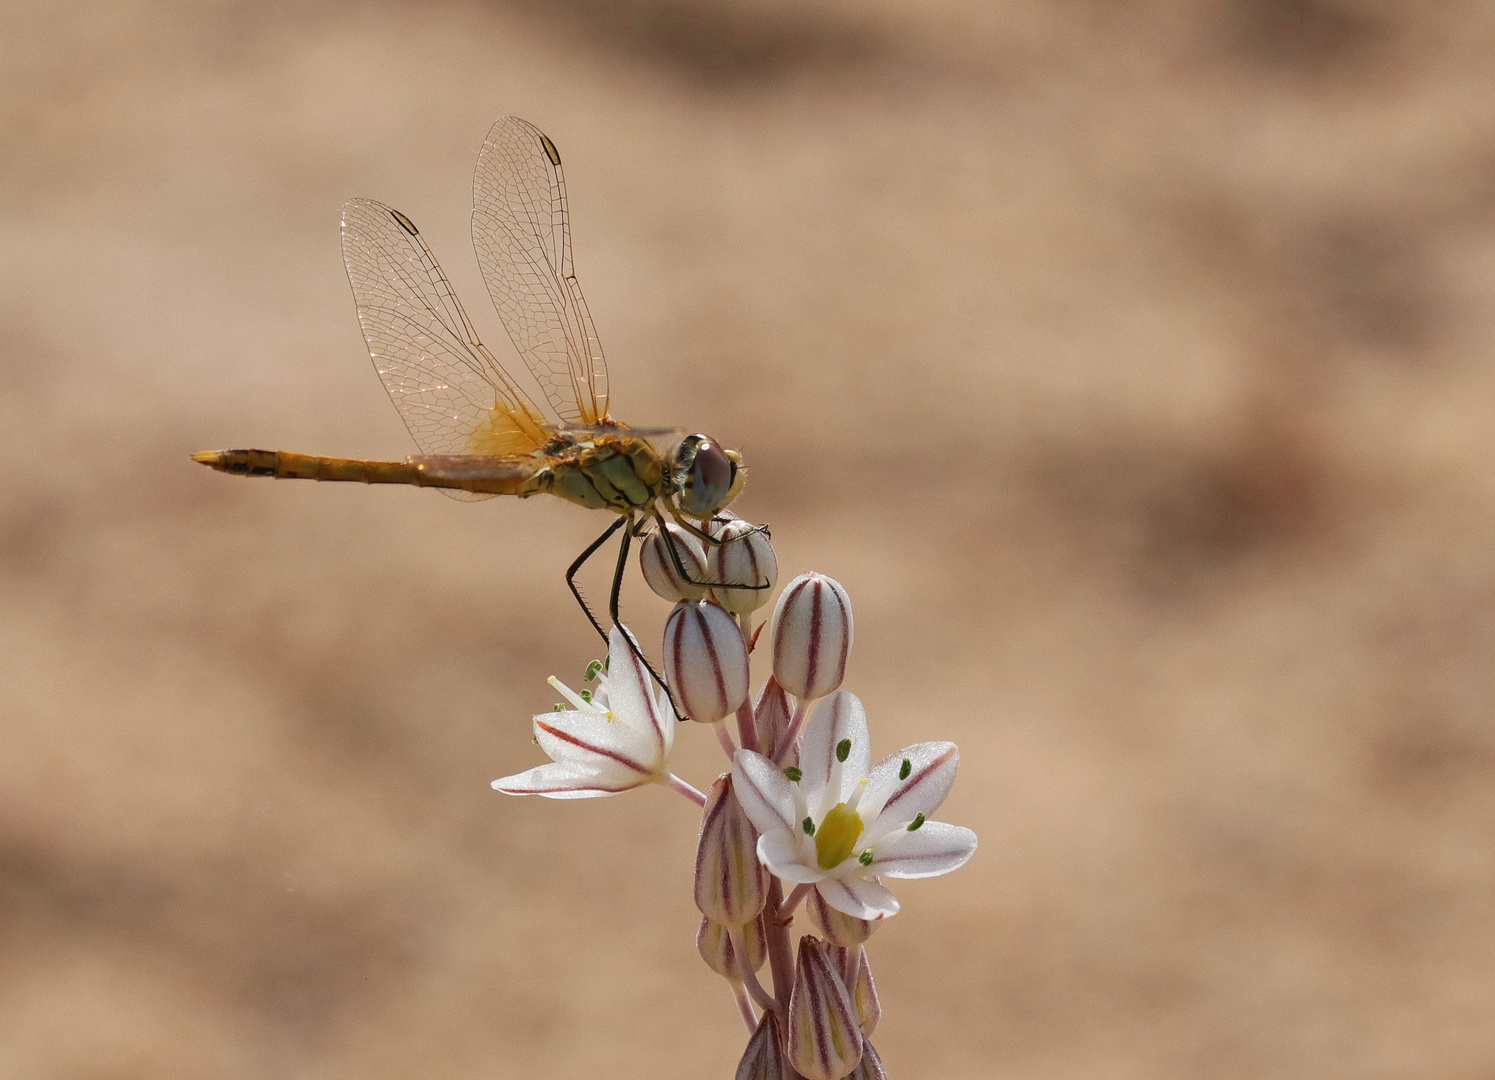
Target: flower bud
744, 557
731, 885
659, 567
764, 1057
771, 717
714, 943
811, 636
838, 927
870, 1067
823, 1041
705, 660
864, 993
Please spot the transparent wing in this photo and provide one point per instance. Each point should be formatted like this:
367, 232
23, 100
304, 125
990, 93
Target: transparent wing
522, 235
451, 393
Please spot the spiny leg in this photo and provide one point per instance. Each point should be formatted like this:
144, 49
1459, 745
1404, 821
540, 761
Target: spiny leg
577, 565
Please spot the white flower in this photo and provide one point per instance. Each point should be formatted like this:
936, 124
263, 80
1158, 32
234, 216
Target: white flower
621, 739
845, 823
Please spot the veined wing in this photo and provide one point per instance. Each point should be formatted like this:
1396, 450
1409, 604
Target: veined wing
451, 393
522, 235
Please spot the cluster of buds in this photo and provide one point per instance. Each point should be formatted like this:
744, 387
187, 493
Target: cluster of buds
803, 816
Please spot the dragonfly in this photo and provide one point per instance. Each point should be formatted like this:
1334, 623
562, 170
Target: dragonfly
478, 433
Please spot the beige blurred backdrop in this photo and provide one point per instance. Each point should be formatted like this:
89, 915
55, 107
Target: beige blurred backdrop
1128, 362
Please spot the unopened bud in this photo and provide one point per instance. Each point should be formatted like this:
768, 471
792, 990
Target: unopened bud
659, 568
870, 1067
764, 1057
824, 1041
838, 927
811, 636
731, 884
714, 943
771, 717
864, 991
705, 660
744, 557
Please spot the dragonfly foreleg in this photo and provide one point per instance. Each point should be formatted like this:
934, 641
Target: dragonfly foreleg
669, 543
576, 566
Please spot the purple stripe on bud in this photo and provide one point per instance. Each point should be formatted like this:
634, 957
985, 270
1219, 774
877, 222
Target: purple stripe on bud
764, 1057
705, 660
811, 635
853, 965
824, 1040
731, 885
870, 1067
714, 943
745, 557
659, 568
771, 716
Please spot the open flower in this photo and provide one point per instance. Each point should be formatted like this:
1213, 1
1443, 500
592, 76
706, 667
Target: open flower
620, 739
840, 823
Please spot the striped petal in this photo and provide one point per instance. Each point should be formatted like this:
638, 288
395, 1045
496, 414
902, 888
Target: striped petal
934, 848
837, 719
569, 782
785, 858
764, 791
892, 800
859, 898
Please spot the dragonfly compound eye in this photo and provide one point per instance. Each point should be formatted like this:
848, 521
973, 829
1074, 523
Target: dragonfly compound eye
707, 474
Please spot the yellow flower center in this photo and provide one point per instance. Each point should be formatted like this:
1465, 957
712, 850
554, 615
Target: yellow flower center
837, 836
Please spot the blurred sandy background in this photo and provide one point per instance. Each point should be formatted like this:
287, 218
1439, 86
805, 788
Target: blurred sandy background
1129, 363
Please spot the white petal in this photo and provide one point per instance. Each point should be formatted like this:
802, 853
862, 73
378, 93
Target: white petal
595, 741
764, 791
837, 718
782, 854
891, 803
859, 898
930, 850
629, 697
568, 782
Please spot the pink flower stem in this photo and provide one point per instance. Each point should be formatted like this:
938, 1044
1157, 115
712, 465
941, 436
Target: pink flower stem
747, 728
776, 934
786, 909
745, 1007
685, 789
750, 977
725, 738
795, 724
853, 969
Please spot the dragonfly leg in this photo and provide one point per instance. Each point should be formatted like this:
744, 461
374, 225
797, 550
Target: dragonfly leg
576, 566
669, 543
613, 601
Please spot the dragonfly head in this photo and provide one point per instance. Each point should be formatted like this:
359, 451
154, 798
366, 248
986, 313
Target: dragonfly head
707, 476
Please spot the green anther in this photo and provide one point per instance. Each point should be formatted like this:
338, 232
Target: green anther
809, 826
794, 773
837, 837
608, 659
866, 857
914, 824
592, 669
559, 706
906, 768
585, 695
843, 750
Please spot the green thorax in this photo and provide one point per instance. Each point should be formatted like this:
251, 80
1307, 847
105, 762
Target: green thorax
620, 473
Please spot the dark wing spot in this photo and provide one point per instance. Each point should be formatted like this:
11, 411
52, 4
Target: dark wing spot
555, 155
405, 223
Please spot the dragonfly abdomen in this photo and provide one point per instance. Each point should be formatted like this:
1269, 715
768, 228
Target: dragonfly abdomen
488, 475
